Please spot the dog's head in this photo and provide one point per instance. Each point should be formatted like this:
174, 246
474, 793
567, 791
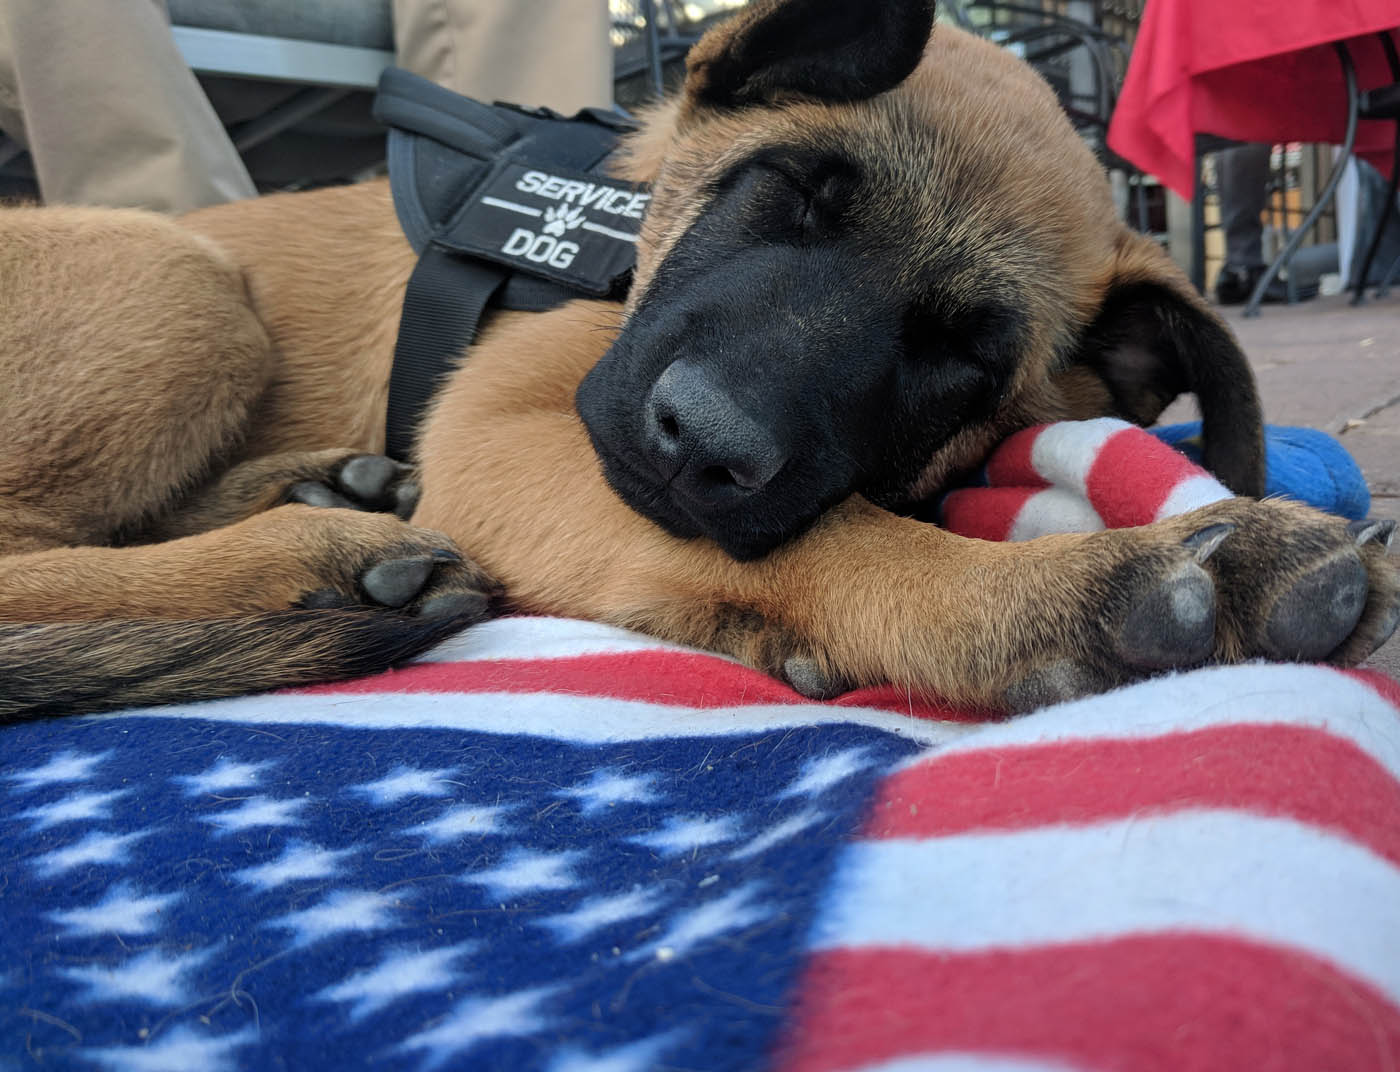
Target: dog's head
874, 249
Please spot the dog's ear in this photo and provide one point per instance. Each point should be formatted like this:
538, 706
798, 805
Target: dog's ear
835, 50
1155, 338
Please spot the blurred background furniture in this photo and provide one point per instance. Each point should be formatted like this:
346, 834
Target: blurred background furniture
293, 80
1202, 67
1081, 48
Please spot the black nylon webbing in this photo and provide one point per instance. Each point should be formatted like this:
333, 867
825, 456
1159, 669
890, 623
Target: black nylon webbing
446, 298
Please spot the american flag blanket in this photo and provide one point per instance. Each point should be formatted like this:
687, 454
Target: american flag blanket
554, 845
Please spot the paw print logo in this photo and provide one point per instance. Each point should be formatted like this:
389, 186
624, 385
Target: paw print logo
561, 218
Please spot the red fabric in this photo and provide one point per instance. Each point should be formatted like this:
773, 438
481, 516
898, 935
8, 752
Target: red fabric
1104, 1005
1267, 770
660, 676
1251, 70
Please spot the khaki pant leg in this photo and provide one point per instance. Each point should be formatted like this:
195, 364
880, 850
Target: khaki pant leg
109, 110
554, 53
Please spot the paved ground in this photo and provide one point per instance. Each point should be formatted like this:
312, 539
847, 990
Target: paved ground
1325, 364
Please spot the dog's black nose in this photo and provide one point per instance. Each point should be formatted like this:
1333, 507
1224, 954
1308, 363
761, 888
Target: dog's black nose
702, 443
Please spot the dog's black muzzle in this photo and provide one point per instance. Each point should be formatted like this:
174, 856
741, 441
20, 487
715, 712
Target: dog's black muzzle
743, 403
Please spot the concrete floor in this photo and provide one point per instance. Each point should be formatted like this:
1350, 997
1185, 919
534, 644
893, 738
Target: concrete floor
1325, 364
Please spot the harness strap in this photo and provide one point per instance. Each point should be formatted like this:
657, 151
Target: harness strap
442, 309
506, 207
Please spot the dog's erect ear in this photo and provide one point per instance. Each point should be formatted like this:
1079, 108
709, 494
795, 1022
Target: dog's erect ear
835, 50
1154, 338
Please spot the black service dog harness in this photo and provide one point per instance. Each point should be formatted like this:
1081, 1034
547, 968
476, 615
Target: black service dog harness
506, 207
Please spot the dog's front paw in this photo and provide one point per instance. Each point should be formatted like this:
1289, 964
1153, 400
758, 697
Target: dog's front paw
378, 562
1239, 580
1301, 586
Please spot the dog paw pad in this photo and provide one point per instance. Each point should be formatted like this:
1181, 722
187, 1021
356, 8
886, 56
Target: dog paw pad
370, 477
396, 582
314, 493
807, 678
406, 496
1059, 681
1314, 616
1173, 625
468, 605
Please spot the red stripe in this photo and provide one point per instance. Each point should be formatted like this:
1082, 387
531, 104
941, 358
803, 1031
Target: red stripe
1132, 477
1178, 1003
682, 679
985, 513
1010, 465
1269, 770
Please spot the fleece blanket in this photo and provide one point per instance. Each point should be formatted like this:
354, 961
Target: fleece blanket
554, 845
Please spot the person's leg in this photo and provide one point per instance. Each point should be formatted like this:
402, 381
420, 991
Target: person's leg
1244, 185
1243, 175
554, 53
108, 109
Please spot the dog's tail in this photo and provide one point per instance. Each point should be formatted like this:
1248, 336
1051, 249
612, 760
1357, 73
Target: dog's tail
86, 667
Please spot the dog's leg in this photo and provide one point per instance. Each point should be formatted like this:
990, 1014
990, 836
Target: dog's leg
866, 596
131, 359
290, 556
290, 596
341, 478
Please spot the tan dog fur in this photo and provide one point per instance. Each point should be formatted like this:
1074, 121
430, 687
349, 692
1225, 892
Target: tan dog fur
167, 382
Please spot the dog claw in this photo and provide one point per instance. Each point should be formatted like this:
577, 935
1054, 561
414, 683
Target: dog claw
311, 493
1204, 542
1320, 611
1372, 531
1174, 625
395, 582
1385, 628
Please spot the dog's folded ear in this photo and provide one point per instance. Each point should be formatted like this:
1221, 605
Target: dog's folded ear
835, 50
1155, 338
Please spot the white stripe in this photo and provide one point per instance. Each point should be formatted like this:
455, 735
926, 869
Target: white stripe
965, 1062
1253, 694
1054, 510
600, 229
511, 206
541, 638
1193, 493
556, 716
1221, 872
1064, 452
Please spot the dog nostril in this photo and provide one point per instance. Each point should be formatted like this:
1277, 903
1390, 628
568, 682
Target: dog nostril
718, 476
669, 427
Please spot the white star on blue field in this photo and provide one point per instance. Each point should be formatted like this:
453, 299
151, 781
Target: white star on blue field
184, 894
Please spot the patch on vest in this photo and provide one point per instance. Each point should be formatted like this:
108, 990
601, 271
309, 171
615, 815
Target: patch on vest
568, 226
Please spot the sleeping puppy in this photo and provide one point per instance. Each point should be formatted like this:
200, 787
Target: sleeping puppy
874, 249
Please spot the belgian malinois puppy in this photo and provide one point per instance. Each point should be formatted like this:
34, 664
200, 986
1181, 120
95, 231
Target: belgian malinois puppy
874, 249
